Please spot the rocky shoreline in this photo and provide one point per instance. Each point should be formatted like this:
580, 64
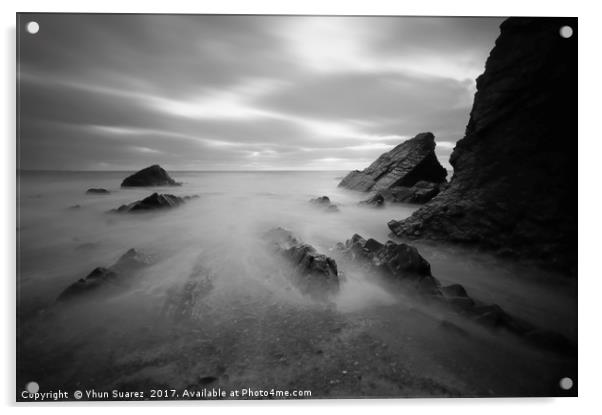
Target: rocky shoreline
498, 197
512, 192
398, 266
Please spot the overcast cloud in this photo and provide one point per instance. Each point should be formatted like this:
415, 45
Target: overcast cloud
110, 92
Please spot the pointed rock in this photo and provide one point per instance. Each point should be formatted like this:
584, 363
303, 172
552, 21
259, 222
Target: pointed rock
408, 163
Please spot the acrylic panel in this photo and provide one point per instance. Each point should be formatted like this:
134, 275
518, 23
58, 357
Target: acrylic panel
295, 207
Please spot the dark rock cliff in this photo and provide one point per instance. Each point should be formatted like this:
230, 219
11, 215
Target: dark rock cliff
408, 163
514, 188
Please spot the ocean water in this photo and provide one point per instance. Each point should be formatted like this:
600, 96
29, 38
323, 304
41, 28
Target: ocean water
254, 328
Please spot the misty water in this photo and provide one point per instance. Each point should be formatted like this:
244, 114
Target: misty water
253, 328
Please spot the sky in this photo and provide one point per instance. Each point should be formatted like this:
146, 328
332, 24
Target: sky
121, 92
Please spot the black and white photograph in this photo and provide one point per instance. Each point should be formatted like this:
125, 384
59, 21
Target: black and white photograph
276, 207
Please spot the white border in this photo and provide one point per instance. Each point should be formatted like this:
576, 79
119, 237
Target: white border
590, 154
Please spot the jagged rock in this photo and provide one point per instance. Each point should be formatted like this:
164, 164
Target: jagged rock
154, 202
401, 263
514, 188
396, 262
97, 191
101, 277
376, 201
408, 163
314, 274
325, 203
359, 248
402, 259
154, 175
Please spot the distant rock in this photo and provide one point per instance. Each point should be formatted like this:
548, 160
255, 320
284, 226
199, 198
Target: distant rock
97, 191
325, 203
150, 176
155, 201
314, 274
412, 161
514, 187
112, 277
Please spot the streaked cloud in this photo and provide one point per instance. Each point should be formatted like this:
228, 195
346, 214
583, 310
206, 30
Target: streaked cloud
240, 92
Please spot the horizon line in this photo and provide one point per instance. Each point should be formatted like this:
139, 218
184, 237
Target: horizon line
170, 170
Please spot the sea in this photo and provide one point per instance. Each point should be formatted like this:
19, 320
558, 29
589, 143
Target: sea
254, 329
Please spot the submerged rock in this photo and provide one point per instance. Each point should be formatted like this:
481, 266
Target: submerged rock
154, 175
97, 191
155, 201
376, 201
515, 171
454, 290
97, 278
315, 274
130, 261
412, 161
457, 297
325, 203
113, 276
